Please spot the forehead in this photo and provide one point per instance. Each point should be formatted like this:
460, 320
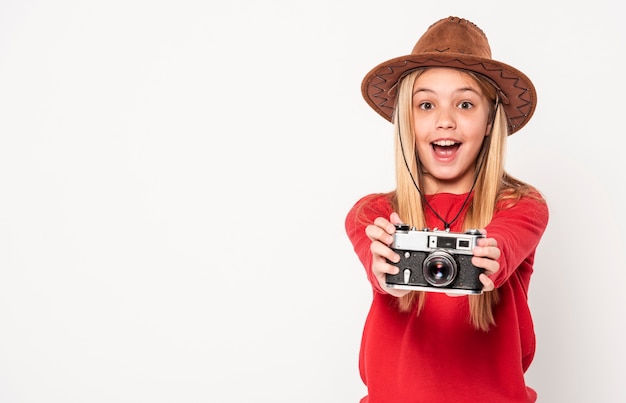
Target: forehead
444, 78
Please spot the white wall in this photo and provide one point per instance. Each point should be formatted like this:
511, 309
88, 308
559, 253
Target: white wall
174, 177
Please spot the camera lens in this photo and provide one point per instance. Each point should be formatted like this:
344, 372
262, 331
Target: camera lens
439, 269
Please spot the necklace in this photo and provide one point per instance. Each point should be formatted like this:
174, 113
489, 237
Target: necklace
446, 224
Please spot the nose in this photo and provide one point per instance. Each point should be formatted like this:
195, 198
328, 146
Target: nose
445, 118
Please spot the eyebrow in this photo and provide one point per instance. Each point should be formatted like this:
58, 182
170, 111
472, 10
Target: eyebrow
462, 89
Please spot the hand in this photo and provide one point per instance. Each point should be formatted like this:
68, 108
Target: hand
381, 234
486, 255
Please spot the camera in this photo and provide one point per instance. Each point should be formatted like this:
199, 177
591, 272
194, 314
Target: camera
434, 260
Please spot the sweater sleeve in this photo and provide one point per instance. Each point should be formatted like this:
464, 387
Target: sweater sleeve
362, 214
518, 230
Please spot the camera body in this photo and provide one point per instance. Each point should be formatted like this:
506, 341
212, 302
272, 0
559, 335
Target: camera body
433, 260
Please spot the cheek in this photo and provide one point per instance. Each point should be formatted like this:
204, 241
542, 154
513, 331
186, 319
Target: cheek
422, 149
488, 130
420, 130
478, 129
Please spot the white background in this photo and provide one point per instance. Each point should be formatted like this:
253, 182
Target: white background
174, 176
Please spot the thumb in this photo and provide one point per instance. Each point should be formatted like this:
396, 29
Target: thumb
394, 218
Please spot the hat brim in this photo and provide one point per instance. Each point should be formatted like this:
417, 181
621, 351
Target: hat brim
517, 92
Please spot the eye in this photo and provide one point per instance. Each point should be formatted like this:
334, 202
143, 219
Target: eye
426, 106
466, 105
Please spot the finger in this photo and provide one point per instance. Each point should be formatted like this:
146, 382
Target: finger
383, 223
381, 268
487, 283
488, 252
382, 250
388, 226
494, 253
487, 242
376, 233
487, 248
395, 218
489, 265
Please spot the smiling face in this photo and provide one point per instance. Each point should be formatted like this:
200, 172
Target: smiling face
450, 122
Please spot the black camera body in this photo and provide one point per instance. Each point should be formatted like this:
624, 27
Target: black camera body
433, 260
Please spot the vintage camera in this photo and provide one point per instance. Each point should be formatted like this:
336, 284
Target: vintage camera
433, 260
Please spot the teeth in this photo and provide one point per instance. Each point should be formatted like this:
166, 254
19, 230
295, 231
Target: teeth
444, 143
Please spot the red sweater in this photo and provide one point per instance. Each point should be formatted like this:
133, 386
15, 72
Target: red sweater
438, 357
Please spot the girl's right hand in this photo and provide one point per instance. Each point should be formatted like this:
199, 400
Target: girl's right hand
381, 234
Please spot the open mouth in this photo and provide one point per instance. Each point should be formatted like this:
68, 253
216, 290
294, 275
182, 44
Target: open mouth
445, 148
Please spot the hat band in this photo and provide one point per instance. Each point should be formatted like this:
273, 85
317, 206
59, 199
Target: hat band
500, 95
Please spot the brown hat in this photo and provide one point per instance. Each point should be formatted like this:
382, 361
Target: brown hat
459, 43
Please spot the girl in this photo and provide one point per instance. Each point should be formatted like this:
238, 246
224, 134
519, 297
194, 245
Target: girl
453, 107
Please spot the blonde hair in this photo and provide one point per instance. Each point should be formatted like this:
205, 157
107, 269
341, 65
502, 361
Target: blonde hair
493, 184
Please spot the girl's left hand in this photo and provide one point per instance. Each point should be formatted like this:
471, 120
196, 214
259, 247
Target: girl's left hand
486, 255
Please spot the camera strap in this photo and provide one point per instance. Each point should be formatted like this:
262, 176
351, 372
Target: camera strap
446, 224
